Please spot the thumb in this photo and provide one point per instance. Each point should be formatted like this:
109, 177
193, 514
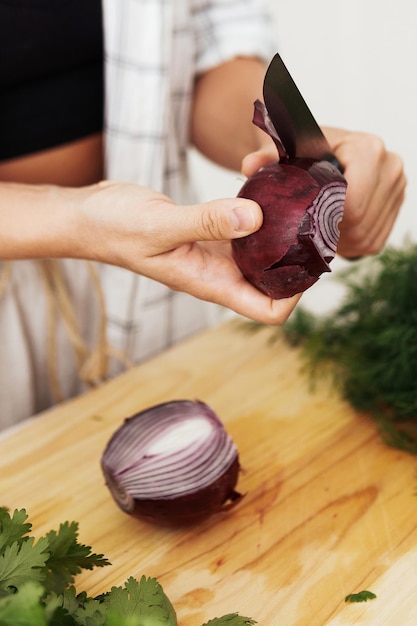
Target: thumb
217, 220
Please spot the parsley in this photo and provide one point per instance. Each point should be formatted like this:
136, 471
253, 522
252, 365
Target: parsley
232, 619
362, 596
36, 584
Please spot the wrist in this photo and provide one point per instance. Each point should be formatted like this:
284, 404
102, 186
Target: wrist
39, 221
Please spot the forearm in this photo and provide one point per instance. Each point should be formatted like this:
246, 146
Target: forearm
39, 221
186, 248
221, 124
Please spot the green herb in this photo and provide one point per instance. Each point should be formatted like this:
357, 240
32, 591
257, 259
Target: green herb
233, 619
362, 596
36, 584
369, 344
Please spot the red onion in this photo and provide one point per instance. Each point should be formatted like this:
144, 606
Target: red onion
302, 201
173, 464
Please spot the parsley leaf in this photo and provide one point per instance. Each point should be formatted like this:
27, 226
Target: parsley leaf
232, 619
128, 620
68, 557
23, 608
23, 562
70, 600
12, 528
146, 601
92, 613
362, 596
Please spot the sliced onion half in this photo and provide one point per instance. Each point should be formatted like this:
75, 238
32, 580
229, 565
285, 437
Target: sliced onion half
172, 464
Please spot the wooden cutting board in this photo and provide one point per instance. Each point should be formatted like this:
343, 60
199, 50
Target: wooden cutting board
329, 509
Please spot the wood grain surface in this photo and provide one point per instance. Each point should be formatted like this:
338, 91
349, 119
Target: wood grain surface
329, 508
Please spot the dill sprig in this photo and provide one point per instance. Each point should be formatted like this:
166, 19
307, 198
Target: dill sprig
369, 344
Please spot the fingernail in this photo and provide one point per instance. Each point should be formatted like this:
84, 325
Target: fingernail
243, 219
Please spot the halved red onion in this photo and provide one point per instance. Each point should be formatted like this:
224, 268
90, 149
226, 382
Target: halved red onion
302, 201
173, 464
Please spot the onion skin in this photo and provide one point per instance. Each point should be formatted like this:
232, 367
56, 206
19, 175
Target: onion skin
195, 507
177, 487
298, 237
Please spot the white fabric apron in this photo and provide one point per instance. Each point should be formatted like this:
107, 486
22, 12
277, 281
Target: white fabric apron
154, 48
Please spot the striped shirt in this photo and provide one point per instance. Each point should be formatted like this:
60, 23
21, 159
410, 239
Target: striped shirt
154, 50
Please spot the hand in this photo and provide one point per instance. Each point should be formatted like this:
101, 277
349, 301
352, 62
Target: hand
375, 193
186, 248
376, 188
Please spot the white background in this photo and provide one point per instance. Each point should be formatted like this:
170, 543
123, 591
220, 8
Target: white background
355, 64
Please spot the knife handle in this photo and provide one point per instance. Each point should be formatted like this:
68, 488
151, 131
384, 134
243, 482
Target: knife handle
334, 161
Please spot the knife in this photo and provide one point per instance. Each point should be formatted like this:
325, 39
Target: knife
291, 117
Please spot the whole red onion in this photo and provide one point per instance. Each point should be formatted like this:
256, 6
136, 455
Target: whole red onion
302, 201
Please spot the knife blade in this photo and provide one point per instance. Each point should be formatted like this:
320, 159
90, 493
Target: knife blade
292, 118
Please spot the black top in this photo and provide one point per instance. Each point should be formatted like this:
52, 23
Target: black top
51, 73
